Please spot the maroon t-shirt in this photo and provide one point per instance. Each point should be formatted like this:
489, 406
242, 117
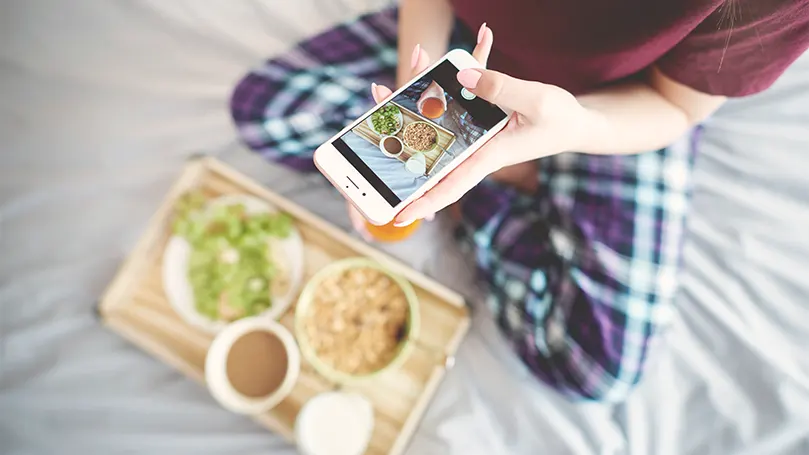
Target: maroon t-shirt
721, 47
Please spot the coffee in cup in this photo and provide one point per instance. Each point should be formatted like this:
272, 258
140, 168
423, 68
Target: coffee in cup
391, 146
252, 365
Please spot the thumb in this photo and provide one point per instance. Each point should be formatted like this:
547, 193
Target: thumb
505, 91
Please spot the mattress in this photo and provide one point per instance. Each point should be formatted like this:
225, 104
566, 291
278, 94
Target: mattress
102, 102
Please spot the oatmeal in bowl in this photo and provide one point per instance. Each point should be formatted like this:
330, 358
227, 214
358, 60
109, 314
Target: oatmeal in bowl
420, 136
355, 319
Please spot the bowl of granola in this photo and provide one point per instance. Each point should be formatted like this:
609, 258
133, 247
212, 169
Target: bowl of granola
420, 136
355, 320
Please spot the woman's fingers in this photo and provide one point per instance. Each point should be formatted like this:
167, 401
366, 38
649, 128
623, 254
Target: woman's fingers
445, 193
489, 158
358, 222
380, 92
419, 61
450, 189
518, 95
484, 45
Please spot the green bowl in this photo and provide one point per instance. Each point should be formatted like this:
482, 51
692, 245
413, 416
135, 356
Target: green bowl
305, 300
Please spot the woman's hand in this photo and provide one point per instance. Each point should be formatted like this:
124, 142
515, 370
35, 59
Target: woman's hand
419, 61
547, 120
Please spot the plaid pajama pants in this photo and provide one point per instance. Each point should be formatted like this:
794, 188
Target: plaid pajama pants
580, 274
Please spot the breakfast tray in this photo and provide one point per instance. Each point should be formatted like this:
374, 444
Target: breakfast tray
445, 137
135, 306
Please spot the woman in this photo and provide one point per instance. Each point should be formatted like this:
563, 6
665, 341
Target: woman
580, 250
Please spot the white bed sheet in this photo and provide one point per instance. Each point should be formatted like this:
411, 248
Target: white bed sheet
103, 101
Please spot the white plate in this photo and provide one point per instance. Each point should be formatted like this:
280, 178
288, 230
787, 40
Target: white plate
400, 117
175, 269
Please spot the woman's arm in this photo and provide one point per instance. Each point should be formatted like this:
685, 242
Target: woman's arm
424, 22
623, 119
639, 117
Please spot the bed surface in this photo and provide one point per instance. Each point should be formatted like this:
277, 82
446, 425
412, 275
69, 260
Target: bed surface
103, 101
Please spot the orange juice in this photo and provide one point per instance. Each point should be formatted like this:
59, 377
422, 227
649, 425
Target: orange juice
432, 108
391, 233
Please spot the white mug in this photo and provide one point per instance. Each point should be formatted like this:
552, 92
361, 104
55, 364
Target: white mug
385, 151
216, 375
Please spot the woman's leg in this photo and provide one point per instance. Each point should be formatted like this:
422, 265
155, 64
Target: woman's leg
292, 104
582, 272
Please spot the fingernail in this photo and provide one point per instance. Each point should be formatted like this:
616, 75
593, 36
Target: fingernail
414, 59
481, 32
373, 89
469, 77
403, 223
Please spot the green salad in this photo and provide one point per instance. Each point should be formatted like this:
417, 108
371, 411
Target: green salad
386, 119
231, 270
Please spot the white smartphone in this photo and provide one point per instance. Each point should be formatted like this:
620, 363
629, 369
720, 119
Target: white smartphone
403, 146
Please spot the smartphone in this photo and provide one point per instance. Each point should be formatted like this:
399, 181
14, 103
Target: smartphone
403, 146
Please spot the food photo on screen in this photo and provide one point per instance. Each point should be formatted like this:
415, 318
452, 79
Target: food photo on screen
422, 129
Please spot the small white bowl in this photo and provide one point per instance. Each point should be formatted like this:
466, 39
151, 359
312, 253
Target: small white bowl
334, 423
387, 153
178, 289
216, 376
416, 164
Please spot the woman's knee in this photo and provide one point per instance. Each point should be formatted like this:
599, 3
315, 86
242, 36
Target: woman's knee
582, 376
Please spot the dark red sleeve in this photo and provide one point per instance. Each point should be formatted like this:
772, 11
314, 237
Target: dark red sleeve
742, 48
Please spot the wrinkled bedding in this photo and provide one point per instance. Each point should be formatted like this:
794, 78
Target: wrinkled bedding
101, 103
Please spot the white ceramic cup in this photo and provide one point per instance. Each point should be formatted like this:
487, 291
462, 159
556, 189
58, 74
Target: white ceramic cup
385, 151
216, 375
416, 164
335, 423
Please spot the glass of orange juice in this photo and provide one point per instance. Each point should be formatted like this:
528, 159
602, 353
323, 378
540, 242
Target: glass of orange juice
432, 108
433, 102
391, 233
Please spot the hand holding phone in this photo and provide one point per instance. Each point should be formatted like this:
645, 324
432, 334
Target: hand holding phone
545, 120
393, 154
419, 61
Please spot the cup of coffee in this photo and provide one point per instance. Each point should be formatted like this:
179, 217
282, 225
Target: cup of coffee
252, 365
391, 146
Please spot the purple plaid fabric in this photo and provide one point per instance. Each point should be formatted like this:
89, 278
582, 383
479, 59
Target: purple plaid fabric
288, 107
581, 274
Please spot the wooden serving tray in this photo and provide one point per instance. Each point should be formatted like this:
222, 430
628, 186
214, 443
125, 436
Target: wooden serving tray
135, 306
445, 137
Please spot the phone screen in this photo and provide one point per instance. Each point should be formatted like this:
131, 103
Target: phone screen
400, 145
